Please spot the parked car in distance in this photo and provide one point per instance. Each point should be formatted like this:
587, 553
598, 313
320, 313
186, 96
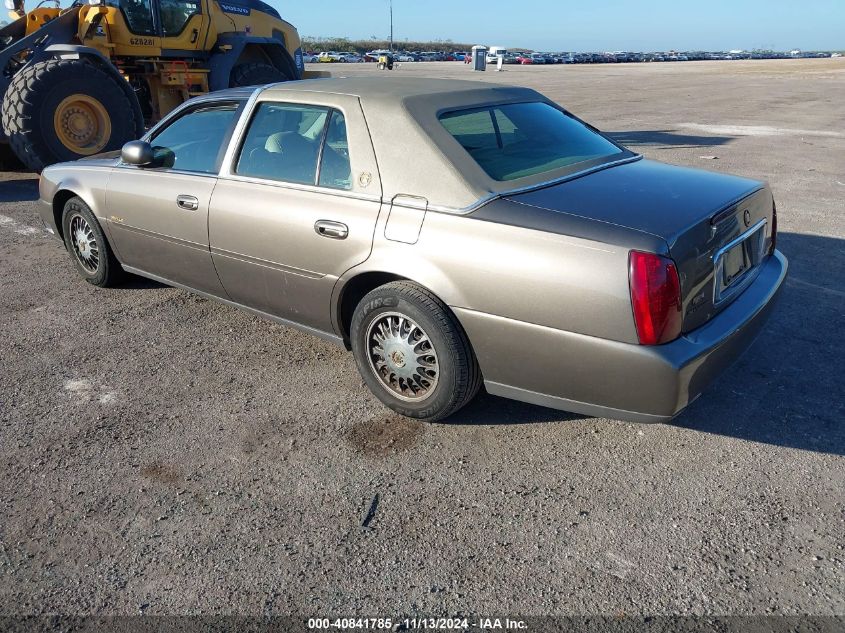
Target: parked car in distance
405, 57
494, 52
373, 55
532, 254
524, 59
537, 58
349, 58
327, 56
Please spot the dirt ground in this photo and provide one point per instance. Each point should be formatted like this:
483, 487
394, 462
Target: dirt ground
164, 454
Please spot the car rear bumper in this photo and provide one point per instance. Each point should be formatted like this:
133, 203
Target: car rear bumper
598, 377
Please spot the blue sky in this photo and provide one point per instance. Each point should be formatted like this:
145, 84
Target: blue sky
588, 25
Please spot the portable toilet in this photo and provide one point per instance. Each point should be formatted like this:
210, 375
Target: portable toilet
479, 58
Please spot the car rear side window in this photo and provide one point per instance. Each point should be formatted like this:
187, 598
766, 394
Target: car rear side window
335, 171
298, 144
523, 139
194, 142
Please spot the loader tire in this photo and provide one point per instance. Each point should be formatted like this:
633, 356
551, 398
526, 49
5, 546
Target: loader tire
255, 74
9, 161
64, 109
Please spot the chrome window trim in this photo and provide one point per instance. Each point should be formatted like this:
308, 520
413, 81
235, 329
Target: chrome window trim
330, 112
228, 165
329, 191
175, 114
164, 170
210, 98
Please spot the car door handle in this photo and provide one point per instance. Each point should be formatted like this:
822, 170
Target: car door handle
334, 230
187, 202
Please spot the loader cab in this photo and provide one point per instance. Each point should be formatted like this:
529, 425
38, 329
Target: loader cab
157, 24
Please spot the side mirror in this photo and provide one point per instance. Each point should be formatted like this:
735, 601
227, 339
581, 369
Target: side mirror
137, 153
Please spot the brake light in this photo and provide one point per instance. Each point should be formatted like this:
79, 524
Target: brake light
774, 227
655, 297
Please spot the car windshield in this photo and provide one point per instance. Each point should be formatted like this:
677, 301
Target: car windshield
523, 139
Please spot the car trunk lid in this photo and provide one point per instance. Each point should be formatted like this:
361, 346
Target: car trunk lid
717, 227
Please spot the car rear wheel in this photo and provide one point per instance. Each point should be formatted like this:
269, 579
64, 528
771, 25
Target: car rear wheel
87, 245
413, 353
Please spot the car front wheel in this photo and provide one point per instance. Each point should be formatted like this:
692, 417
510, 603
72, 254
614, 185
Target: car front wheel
87, 245
413, 353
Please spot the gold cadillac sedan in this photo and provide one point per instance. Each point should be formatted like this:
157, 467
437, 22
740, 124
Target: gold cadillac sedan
450, 233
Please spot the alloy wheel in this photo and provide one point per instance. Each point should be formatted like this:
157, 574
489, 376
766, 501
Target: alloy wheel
402, 356
85, 246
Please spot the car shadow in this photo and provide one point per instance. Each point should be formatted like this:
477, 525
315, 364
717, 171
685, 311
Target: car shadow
486, 409
135, 282
666, 138
787, 390
19, 190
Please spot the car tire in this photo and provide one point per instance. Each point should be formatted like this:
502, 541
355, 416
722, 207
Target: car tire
400, 320
255, 74
88, 247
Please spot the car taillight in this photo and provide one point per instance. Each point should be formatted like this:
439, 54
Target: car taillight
655, 297
774, 227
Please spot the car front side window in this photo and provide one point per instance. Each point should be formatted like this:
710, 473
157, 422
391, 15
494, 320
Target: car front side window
195, 141
294, 143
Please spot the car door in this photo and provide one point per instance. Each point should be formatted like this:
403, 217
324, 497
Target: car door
158, 215
295, 207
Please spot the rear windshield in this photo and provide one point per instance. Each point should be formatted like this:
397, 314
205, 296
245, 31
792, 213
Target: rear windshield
523, 139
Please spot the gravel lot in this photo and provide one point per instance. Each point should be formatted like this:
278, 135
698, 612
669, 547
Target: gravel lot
163, 454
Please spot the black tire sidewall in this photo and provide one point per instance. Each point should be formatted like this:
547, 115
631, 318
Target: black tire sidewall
255, 74
100, 277
445, 398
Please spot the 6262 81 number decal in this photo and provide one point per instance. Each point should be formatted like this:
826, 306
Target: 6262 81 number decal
141, 41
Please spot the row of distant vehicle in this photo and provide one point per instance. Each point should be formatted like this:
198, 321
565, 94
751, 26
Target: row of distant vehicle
532, 58
522, 57
372, 56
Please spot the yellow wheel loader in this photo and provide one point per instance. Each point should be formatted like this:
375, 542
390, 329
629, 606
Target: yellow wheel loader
85, 79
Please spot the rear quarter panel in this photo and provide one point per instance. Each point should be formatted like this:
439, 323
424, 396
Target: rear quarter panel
545, 278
